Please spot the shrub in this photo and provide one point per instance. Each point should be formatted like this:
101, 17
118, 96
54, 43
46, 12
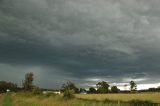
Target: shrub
50, 94
36, 91
68, 94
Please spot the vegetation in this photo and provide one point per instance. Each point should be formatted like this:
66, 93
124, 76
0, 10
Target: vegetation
92, 90
81, 90
29, 99
7, 101
36, 91
7, 85
70, 86
69, 89
28, 82
102, 87
114, 89
153, 97
103, 96
133, 86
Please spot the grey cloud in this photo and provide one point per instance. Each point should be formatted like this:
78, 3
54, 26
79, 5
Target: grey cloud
84, 38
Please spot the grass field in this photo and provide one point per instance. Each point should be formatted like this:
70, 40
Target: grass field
1, 99
154, 97
28, 99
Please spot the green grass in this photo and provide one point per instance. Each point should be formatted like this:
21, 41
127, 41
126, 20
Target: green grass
7, 101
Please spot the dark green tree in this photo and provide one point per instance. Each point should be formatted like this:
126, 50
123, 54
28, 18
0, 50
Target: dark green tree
28, 82
102, 87
114, 89
92, 90
82, 90
133, 86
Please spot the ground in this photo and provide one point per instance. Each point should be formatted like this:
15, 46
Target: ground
28, 99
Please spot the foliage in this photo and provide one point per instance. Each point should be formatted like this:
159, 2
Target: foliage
68, 94
28, 82
7, 85
82, 90
36, 90
102, 87
133, 86
70, 86
69, 89
114, 89
102, 90
92, 90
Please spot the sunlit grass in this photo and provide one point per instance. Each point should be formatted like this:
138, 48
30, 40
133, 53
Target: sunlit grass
154, 97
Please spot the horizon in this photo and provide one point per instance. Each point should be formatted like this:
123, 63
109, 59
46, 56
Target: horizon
82, 41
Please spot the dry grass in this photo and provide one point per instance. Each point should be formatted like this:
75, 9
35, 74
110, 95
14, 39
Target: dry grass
28, 99
1, 99
154, 97
22, 100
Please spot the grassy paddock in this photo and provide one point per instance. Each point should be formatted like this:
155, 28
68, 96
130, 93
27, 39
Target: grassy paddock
29, 99
21, 99
154, 97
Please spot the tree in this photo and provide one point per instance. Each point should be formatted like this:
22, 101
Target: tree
28, 82
133, 86
102, 87
70, 86
69, 89
7, 85
92, 90
82, 90
114, 89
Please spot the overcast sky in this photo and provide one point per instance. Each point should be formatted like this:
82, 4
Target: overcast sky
83, 41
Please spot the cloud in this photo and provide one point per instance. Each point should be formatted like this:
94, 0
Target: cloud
81, 38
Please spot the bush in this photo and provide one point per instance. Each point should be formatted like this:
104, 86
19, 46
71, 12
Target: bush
50, 94
36, 91
68, 94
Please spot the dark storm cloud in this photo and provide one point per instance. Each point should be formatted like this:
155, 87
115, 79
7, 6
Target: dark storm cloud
81, 40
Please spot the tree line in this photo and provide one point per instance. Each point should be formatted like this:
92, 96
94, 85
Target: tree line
101, 87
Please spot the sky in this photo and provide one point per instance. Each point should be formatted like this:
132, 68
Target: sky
82, 41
